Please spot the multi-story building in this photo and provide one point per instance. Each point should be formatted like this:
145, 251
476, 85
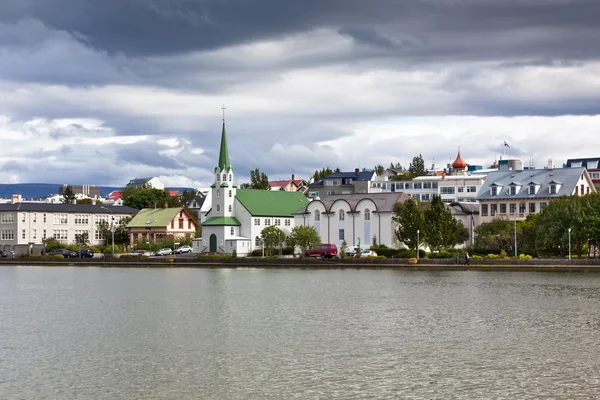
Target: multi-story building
345, 183
516, 194
152, 182
591, 164
90, 191
25, 226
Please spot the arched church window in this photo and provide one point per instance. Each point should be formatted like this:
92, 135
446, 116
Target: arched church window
218, 208
317, 215
229, 177
232, 231
218, 193
367, 214
218, 177
257, 241
342, 215
230, 193
229, 208
224, 177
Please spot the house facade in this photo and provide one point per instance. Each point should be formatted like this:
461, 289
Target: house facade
516, 194
343, 183
353, 217
591, 164
25, 226
154, 224
234, 223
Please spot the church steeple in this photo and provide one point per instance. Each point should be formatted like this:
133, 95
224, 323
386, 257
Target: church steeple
224, 164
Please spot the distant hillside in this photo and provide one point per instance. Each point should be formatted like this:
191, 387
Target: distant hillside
36, 190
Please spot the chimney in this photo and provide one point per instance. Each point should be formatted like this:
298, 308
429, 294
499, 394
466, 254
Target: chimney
16, 198
292, 176
550, 163
356, 171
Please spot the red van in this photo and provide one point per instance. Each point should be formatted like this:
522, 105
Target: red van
323, 250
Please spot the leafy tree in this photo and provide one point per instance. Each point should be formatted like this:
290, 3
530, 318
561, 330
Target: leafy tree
498, 234
85, 201
68, 195
188, 195
121, 231
318, 175
304, 237
272, 236
379, 170
408, 218
150, 197
258, 180
417, 167
441, 228
82, 239
397, 166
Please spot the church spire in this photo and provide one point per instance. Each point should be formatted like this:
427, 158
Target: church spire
224, 152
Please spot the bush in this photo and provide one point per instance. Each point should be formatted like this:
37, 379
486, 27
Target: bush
525, 257
476, 257
493, 256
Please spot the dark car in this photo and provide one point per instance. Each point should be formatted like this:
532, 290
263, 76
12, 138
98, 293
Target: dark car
3, 254
64, 252
86, 253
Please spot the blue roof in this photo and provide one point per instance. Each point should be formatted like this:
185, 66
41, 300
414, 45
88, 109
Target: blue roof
364, 175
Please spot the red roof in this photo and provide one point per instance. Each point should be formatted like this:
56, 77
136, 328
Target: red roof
279, 183
173, 193
115, 195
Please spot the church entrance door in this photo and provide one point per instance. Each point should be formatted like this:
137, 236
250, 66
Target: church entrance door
213, 243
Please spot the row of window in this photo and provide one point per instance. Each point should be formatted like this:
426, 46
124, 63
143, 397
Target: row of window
219, 193
532, 189
224, 177
342, 215
60, 234
57, 219
494, 209
276, 222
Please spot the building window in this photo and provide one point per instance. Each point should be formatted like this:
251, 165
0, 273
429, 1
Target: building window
532, 208
342, 215
582, 190
34, 234
531, 189
229, 177
229, 208
494, 190
256, 221
543, 205
60, 234
218, 208
484, 210
417, 185
7, 234
232, 231
44, 235
317, 215
173, 224
513, 190
257, 241
447, 190
23, 217
460, 189
425, 197
23, 234
230, 193
513, 208
493, 209
44, 217
268, 222
471, 189
180, 223
34, 217
277, 222
59, 219
367, 215
341, 234
287, 222
553, 189
82, 219
218, 177
313, 194
218, 193
7, 218
224, 177
502, 208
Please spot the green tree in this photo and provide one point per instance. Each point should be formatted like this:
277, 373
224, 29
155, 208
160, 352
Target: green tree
85, 201
417, 167
82, 239
149, 198
121, 231
408, 218
258, 180
68, 195
379, 170
188, 195
272, 236
440, 228
496, 235
304, 237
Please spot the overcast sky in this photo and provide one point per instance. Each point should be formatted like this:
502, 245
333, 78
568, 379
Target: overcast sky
100, 92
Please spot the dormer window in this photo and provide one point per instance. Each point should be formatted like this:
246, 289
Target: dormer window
513, 190
553, 188
494, 190
531, 189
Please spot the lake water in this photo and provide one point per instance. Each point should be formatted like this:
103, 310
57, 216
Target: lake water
91, 333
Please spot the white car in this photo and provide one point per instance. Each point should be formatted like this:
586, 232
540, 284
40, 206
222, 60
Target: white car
164, 252
183, 249
351, 251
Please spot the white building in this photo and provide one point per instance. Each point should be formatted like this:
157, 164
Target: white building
152, 182
25, 226
237, 216
352, 217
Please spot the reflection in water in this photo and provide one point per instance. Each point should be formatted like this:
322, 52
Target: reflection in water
88, 333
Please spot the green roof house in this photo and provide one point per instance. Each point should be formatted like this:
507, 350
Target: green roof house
237, 217
155, 224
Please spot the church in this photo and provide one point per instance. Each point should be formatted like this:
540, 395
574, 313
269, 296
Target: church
234, 223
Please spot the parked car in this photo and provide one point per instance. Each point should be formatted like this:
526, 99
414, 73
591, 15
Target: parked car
164, 252
352, 251
183, 249
323, 250
64, 252
86, 253
3, 254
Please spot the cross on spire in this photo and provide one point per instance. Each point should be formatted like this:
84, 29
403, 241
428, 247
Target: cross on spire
223, 108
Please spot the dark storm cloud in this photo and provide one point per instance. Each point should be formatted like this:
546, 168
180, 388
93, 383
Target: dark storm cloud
146, 154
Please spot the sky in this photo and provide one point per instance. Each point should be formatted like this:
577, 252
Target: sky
101, 92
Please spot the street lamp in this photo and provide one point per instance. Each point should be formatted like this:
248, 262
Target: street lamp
112, 229
569, 244
418, 243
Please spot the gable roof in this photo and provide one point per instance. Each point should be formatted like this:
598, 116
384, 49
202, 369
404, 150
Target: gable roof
156, 217
271, 203
224, 163
568, 177
221, 221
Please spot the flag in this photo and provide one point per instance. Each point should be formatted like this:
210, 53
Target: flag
506, 145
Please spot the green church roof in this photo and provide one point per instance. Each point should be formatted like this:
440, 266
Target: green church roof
221, 221
224, 152
271, 203
154, 217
